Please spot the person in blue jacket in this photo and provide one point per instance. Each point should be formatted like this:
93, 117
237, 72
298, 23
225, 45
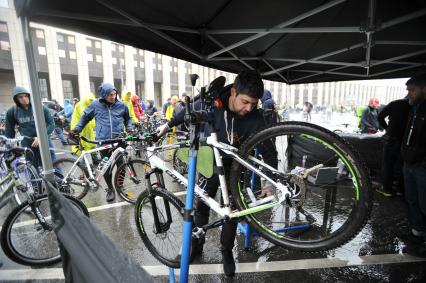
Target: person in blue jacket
111, 117
68, 109
21, 114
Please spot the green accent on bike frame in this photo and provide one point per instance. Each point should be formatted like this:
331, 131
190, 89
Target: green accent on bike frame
255, 209
342, 158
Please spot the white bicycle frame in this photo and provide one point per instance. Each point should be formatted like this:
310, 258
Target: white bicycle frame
225, 211
84, 156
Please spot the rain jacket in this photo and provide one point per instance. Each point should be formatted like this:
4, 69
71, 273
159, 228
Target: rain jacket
89, 130
151, 109
369, 121
17, 115
137, 107
111, 118
129, 104
358, 112
170, 108
267, 101
68, 109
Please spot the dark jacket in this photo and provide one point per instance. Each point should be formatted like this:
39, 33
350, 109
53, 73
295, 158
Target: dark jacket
110, 118
413, 148
369, 122
25, 119
397, 112
151, 109
232, 127
267, 101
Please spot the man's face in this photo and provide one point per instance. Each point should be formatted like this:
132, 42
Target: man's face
128, 95
111, 96
415, 93
23, 99
241, 103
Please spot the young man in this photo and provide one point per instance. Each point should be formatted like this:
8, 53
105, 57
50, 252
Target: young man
369, 122
22, 115
413, 150
236, 121
111, 117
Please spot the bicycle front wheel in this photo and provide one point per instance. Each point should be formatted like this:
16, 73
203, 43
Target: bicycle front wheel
327, 207
71, 180
28, 241
159, 219
129, 179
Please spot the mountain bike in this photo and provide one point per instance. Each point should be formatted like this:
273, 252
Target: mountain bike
27, 236
77, 177
315, 204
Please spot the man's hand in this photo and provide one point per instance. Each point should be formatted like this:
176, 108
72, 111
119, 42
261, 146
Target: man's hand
267, 190
35, 142
72, 133
162, 130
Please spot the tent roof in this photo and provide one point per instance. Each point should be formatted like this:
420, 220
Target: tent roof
289, 41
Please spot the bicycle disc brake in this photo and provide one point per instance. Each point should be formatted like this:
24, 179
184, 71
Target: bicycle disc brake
298, 187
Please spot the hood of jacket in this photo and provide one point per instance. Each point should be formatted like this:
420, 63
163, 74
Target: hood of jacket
151, 104
18, 90
105, 89
266, 96
124, 96
67, 102
87, 100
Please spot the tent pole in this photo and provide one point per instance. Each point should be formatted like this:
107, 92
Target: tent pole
36, 102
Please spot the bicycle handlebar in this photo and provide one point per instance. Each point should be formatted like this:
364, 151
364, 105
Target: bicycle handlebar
128, 138
10, 141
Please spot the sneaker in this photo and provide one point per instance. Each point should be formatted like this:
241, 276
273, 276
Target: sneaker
228, 263
110, 196
418, 233
384, 192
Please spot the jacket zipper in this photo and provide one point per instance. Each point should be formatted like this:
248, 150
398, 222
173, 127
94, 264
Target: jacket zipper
110, 120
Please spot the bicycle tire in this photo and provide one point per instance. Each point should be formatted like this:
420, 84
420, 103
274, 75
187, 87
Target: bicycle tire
169, 256
77, 191
356, 203
46, 244
31, 174
123, 188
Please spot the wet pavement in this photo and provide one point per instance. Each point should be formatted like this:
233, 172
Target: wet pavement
374, 255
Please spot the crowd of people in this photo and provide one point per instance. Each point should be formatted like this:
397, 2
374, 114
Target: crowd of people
105, 116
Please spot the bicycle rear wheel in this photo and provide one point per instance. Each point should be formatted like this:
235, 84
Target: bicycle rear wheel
75, 184
327, 208
28, 174
129, 179
25, 240
159, 219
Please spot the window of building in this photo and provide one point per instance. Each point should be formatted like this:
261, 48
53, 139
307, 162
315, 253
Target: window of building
142, 64
67, 88
73, 55
71, 39
175, 69
140, 52
88, 42
154, 66
39, 33
114, 61
121, 61
61, 53
135, 64
43, 89
99, 58
160, 67
90, 57
60, 37
4, 45
98, 44
42, 50
121, 48
3, 27
113, 47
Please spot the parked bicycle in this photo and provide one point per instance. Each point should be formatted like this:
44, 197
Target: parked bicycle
314, 204
27, 235
77, 177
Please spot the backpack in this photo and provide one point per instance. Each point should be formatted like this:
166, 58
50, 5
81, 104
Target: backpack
270, 116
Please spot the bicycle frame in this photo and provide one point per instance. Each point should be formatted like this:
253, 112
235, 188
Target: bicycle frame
225, 211
84, 156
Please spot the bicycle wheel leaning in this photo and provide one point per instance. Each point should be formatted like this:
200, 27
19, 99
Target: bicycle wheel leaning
159, 219
129, 179
328, 207
28, 238
75, 184
28, 174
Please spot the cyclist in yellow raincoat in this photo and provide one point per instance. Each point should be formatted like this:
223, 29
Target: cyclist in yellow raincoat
126, 97
89, 130
169, 111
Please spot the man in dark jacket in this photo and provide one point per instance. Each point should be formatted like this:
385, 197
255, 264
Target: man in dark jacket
397, 113
111, 117
270, 114
235, 121
369, 122
22, 115
413, 152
